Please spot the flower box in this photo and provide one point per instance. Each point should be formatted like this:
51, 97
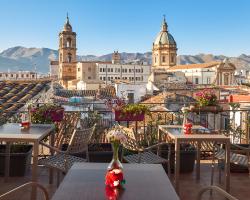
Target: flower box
212, 109
47, 114
119, 116
55, 115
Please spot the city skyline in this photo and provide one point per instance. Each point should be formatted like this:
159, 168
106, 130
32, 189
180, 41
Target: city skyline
198, 27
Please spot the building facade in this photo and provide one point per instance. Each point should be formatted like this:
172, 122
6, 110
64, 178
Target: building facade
108, 73
54, 69
20, 75
217, 73
164, 50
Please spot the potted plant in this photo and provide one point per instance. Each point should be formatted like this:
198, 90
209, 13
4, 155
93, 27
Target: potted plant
20, 159
47, 113
131, 112
206, 102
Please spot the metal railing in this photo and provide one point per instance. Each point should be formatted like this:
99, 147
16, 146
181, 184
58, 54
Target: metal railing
232, 122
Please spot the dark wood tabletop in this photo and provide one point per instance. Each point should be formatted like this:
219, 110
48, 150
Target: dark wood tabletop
143, 182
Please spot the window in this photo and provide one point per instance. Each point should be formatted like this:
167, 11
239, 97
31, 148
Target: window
163, 58
226, 79
100, 78
89, 69
122, 70
104, 78
11, 75
21, 75
208, 80
111, 69
0, 75
196, 80
109, 78
172, 58
108, 69
89, 77
141, 70
119, 70
68, 43
60, 57
155, 59
126, 70
69, 57
78, 69
129, 70
27, 75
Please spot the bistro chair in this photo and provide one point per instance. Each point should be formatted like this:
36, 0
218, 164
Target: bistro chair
239, 156
142, 155
63, 160
42, 188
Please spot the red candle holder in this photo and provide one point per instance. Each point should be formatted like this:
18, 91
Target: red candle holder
25, 125
187, 129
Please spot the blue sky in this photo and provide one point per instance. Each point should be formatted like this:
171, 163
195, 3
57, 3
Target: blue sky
198, 26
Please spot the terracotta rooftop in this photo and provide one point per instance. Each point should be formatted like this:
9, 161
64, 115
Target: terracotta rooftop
194, 66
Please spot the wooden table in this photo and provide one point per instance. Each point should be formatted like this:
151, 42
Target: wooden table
175, 132
143, 181
12, 132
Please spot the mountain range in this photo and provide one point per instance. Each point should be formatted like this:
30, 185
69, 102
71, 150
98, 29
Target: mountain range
22, 58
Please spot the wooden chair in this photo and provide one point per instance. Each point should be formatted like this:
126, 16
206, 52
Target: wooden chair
63, 160
45, 193
239, 156
217, 189
142, 155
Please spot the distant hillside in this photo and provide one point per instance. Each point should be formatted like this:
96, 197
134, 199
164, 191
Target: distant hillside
22, 58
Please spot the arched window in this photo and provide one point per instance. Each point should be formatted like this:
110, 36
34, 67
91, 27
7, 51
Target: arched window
163, 58
69, 57
172, 58
155, 59
68, 43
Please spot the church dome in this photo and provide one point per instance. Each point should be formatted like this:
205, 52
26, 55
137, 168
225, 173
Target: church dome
164, 37
67, 26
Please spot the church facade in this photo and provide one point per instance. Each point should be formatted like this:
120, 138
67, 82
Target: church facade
164, 64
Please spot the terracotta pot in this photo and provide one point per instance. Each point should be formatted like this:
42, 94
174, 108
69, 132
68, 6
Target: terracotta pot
119, 116
211, 109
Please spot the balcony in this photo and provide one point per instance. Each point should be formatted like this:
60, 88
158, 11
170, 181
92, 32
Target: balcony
233, 123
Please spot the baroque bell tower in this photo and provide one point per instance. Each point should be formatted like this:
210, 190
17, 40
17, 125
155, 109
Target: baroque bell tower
67, 54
